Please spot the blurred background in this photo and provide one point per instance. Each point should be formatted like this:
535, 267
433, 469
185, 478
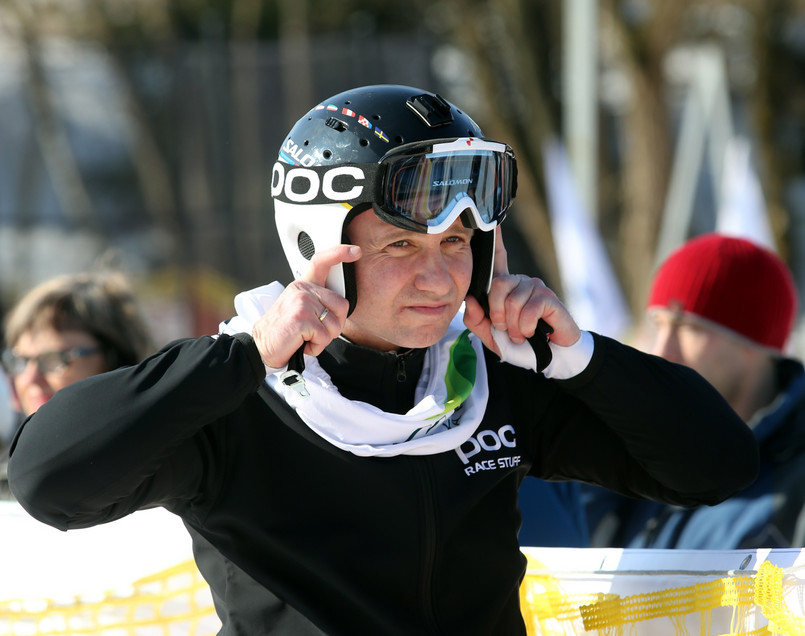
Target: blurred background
139, 134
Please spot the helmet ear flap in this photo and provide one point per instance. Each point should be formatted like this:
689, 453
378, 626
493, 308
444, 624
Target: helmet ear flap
483, 256
350, 286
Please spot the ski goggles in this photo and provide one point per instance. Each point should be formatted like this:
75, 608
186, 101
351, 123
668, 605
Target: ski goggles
422, 187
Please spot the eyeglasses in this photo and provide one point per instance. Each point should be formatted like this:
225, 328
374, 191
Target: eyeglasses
48, 362
422, 186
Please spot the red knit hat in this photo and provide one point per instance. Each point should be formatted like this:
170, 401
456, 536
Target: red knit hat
732, 282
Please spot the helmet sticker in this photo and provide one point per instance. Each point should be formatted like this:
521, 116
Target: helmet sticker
363, 121
301, 185
295, 155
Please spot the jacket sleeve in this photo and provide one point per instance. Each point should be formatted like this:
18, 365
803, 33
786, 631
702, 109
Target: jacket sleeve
134, 437
647, 428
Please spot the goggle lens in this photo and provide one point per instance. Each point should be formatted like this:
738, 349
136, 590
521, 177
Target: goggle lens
427, 188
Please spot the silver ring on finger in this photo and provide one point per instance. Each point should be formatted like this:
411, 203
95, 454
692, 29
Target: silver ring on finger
323, 314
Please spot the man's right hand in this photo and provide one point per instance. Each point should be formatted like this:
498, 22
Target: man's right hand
296, 316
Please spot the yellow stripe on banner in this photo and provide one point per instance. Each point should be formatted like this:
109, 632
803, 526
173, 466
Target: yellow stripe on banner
550, 610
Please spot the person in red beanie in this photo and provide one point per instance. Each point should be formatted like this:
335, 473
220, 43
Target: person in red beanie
725, 307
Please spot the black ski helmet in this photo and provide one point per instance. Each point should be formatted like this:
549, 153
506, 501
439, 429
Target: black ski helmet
357, 129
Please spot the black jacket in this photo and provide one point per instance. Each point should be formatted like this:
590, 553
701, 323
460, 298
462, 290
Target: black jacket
400, 545
770, 513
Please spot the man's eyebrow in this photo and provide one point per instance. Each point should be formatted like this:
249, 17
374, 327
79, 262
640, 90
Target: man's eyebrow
400, 233
395, 234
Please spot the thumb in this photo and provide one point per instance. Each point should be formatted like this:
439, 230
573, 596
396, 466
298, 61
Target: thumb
322, 261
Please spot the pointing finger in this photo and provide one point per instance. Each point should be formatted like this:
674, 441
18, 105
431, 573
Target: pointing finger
322, 261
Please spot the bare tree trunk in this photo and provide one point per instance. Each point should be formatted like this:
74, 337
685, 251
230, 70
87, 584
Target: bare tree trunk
647, 143
767, 106
54, 145
501, 45
150, 163
294, 44
250, 172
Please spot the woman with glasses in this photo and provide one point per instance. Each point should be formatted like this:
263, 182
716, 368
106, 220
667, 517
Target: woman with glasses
67, 329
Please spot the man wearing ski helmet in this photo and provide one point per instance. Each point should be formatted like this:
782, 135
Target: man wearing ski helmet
351, 442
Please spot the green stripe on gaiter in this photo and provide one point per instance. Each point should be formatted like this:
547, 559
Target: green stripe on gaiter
460, 374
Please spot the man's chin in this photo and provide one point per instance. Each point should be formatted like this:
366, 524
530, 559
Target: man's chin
422, 337
398, 341
402, 336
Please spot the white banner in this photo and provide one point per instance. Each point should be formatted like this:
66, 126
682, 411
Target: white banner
664, 592
136, 575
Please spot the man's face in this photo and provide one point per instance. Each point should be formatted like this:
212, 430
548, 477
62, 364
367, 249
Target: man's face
722, 359
410, 285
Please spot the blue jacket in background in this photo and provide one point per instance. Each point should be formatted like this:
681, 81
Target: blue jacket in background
768, 514
553, 514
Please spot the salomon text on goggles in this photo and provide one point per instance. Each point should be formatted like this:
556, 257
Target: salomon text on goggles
422, 186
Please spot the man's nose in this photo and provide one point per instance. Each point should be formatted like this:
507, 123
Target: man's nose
434, 272
666, 345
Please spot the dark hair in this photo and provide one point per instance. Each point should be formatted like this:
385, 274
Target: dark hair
99, 303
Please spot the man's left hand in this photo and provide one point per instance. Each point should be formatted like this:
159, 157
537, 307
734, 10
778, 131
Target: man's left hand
516, 303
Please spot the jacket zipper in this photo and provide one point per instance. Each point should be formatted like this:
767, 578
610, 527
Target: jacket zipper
401, 357
429, 542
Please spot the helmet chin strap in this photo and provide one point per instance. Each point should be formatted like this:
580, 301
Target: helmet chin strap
350, 287
293, 376
483, 256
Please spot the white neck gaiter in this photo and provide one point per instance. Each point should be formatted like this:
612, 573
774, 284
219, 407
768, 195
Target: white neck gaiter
450, 397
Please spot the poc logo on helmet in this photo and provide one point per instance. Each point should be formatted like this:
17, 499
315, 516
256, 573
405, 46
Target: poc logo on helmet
305, 185
487, 440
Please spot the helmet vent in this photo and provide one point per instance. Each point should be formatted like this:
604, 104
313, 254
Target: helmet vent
305, 244
336, 124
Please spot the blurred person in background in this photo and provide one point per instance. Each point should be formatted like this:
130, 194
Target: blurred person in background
64, 330
725, 307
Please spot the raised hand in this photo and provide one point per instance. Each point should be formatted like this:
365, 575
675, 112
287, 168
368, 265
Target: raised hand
516, 304
306, 312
